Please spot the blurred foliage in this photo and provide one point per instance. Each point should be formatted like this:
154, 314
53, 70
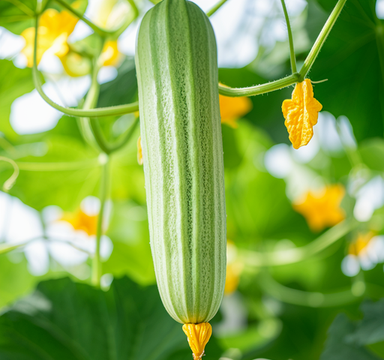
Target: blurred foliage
65, 320
277, 312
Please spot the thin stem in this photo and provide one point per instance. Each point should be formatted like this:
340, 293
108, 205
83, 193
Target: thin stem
107, 111
96, 266
128, 21
126, 137
6, 248
260, 89
321, 38
305, 298
91, 128
12, 179
57, 166
216, 7
86, 127
295, 255
290, 38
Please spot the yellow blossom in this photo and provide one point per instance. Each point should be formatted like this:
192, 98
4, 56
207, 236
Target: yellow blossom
233, 108
359, 246
54, 30
110, 55
198, 336
232, 279
139, 151
81, 221
301, 114
322, 209
234, 269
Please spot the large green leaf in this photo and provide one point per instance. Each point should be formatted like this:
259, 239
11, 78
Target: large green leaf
371, 328
15, 280
352, 60
66, 174
346, 339
122, 89
17, 18
63, 320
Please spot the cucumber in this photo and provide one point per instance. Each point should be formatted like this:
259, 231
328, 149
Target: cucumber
176, 61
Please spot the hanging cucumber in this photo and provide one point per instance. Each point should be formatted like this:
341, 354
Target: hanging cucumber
176, 60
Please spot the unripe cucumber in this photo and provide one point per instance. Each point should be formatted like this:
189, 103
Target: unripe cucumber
176, 60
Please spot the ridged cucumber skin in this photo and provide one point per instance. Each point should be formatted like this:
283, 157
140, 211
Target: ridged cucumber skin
176, 62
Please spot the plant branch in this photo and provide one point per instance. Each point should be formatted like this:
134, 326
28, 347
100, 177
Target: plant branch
321, 38
107, 111
126, 137
216, 7
128, 21
305, 298
260, 89
295, 255
11, 180
96, 265
295, 77
290, 38
57, 166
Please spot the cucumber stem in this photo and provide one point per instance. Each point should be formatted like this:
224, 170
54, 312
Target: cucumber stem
96, 265
290, 38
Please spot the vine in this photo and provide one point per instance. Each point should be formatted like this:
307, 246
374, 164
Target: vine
92, 133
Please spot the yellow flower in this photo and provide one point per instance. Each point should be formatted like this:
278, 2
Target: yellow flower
234, 269
139, 151
359, 246
232, 279
301, 114
81, 221
54, 30
233, 108
198, 336
110, 55
322, 209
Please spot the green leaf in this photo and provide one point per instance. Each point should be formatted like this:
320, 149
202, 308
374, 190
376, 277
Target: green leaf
14, 82
65, 175
63, 320
15, 279
17, 15
346, 338
371, 328
122, 89
352, 60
